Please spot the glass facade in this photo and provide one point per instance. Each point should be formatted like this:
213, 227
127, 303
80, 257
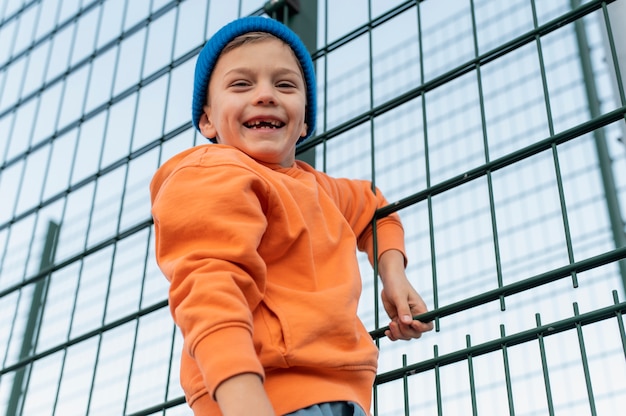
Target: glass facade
494, 128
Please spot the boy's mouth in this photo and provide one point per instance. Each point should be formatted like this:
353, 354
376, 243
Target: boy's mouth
264, 124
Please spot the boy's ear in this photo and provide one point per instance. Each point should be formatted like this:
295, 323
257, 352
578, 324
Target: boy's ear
305, 128
207, 128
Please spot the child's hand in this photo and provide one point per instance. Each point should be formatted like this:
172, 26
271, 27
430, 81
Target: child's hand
402, 302
400, 299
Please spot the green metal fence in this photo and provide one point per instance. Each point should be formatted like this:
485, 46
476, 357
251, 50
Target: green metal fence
495, 128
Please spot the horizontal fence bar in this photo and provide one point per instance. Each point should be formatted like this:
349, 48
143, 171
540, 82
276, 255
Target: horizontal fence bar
507, 341
517, 287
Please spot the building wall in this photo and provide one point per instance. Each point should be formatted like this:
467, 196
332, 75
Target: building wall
473, 117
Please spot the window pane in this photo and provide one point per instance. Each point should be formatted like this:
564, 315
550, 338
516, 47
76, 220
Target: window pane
75, 222
136, 206
42, 385
49, 103
159, 47
148, 379
112, 372
127, 275
119, 129
37, 61
73, 97
7, 35
179, 96
150, 113
191, 14
68, 9
47, 17
87, 157
9, 186
136, 11
25, 30
111, 21
22, 128
105, 215
12, 83
129, 62
58, 176
101, 80
93, 282
85, 35
59, 57
77, 376
32, 179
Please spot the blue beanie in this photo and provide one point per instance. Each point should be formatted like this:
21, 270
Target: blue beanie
213, 48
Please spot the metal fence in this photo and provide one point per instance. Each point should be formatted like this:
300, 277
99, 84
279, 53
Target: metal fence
495, 128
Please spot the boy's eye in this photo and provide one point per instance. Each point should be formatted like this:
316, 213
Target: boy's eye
285, 84
240, 83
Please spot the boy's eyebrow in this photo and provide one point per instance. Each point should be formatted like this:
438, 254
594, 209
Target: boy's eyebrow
248, 71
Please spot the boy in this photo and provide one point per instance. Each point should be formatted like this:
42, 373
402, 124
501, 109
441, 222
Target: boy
260, 248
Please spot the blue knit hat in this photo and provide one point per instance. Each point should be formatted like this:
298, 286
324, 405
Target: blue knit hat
213, 48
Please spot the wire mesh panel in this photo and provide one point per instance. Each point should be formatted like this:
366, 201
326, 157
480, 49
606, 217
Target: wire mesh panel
474, 118
495, 128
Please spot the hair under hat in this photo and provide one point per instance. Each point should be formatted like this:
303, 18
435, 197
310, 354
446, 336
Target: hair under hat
213, 48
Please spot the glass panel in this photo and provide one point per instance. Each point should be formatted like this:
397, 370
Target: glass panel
69, 8
8, 305
33, 178
179, 96
441, 27
60, 54
19, 325
348, 86
107, 204
396, 58
101, 80
5, 129
136, 207
110, 384
58, 176
25, 30
455, 129
118, 131
110, 21
84, 41
159, 46
12, 84
129, 62
76, 381
87, 157
55, 325
47, 113
344, 17
497, 22
155, 285
9, 187
92, 290
75, 222
7, 36
150, 113
127, 276
22, 128
136, 11
42, 386
148, 378
73, 97
515, 112
192, 14
37, 61
48, 10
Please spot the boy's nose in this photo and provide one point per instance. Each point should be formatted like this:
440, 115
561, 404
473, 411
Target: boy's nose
265, 94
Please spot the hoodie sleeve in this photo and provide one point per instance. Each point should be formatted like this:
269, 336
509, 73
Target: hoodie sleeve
209, 221
358, 203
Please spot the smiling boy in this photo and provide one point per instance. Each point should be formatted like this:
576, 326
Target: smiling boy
260, 248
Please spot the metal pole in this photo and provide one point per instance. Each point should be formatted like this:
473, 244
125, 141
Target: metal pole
604, 158
33, 324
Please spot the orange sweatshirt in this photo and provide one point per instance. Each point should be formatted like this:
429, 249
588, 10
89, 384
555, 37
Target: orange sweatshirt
264, 277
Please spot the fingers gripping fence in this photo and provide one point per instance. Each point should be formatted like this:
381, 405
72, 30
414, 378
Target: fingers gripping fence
496, 129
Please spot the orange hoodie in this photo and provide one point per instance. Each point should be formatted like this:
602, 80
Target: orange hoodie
264, 278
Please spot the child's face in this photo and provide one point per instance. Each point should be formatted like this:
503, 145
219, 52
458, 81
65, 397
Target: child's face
257, 101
